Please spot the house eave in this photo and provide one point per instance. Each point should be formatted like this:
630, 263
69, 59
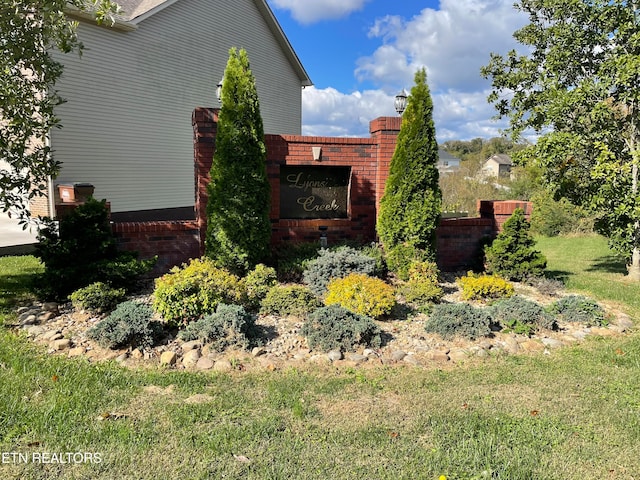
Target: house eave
84, 15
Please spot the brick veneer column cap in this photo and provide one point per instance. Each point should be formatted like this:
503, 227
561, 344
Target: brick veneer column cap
390, 124
205, 114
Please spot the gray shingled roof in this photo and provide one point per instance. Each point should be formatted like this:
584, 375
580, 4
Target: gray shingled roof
134, 8
501, 159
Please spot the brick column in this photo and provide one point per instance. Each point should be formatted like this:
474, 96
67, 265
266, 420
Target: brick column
384, 131
205, 127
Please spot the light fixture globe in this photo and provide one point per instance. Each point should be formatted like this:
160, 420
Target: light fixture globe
400, 102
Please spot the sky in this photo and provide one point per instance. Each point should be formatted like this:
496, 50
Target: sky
360, 53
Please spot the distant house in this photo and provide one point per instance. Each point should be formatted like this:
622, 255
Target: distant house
498, 165
130, 96
447, 163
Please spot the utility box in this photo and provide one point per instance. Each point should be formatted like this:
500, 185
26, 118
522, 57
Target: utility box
75, 192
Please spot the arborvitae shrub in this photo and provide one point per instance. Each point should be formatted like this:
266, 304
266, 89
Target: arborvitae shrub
81, 249
579, 309
258, 282
522, 316
458, 319
484, 287
228, 326
129, 325
336, 328
361, 294
193, 290
336, 264
422, 286
290, 300
97, 297
511, 254
400, 257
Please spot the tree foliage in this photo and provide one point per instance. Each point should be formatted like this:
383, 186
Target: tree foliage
578, 87
29, 31
239, 229
411, 205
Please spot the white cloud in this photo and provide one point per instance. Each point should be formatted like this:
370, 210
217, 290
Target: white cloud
452, 43
457, 115
310, 11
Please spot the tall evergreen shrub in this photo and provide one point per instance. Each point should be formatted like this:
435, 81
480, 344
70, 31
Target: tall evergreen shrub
239, 229
412, 201
512, 254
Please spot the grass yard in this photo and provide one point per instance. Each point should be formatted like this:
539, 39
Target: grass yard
574, 414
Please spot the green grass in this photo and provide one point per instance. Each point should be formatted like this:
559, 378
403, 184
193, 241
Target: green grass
574, 414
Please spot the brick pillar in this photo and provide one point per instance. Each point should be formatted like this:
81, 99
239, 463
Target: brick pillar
384, 131
205, 126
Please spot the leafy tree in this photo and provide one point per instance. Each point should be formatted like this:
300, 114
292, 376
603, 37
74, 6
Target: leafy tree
29, 30
578, 86
411, 205
239, 229
512, 254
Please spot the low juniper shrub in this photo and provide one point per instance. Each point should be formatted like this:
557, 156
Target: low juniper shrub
337, 263
458, 319
289, 300
579, 309
228, 326
336, 328
97, 297
129, 325
522, 316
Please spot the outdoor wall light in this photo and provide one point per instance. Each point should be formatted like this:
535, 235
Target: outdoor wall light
400, 102
219, 90
317, 153
323, 236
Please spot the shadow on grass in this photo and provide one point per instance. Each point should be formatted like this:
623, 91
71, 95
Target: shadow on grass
608, 264
14, 288
559, 275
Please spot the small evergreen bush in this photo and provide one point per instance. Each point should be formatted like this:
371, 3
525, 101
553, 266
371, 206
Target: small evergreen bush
336, 264
522, 316
290, 300
97, 297
458, 319
422, 286
401, 257
511, 254
361, 294
484, 287
228, 326
129, 325
258, 282
291, 259
336, 328
579, 309
193, 290
376, 251
81, 249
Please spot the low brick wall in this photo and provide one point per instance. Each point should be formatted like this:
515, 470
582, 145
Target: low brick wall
460, 242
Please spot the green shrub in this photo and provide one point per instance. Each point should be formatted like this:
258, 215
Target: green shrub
229, 326
376, 251
511, 254
258, 282
336, 328
81, 249
291, 300
579, 309
484, 287
401, 257
422, 286
291, 259
336, 264
458, 319
193, 290
129, 325
522, 316
97, 297
361, 294
551, 218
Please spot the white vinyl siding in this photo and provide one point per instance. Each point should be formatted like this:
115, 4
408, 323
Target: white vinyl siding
127, 121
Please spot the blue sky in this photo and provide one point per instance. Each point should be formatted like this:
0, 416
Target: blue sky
360, 53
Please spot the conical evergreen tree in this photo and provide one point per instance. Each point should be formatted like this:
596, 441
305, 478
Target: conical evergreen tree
512, 254
412, 202
239, 229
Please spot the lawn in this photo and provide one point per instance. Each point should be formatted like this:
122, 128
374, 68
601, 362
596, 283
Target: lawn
574, 414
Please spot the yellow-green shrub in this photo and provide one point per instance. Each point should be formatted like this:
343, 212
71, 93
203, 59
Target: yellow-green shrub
484, 287
361, 294
422, 286
193, 290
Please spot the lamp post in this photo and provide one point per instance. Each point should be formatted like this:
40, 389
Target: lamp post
219, 90
400, 101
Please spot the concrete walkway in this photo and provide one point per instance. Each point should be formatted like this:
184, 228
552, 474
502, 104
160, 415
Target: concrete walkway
14, 240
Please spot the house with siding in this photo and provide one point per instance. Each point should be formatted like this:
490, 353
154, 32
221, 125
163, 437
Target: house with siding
127, 126
498, 166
